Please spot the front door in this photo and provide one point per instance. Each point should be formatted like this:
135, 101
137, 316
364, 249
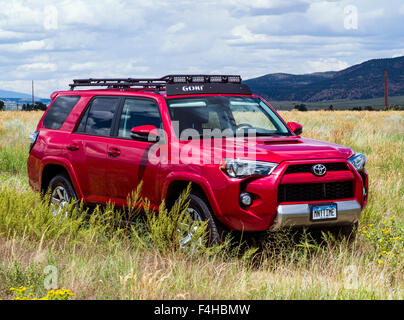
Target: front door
130, 161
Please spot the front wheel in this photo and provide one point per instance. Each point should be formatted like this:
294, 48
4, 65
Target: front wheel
199, 211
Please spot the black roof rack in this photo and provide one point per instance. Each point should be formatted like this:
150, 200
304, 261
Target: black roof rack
117, 83
173, 84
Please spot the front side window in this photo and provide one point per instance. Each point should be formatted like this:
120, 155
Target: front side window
238, 115
97, 120
138, 112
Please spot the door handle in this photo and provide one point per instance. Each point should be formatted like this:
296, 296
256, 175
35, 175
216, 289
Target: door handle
73, 147
114, 152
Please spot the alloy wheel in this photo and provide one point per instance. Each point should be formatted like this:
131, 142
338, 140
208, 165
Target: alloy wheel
189, 227
60, 201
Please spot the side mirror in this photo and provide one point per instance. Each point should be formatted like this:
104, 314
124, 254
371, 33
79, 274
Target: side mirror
145, 133
296, 128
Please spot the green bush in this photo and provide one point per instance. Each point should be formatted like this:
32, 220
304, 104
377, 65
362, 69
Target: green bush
387, 239
13, 159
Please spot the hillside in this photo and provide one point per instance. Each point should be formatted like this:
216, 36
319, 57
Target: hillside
362, 81
11, 94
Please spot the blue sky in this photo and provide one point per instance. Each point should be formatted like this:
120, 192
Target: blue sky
53, 42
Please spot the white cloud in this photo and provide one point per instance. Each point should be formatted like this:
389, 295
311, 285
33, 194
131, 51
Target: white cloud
33, 45
260, 4
176, 27
323, 65
398, 53
82, 66
111, 38
326, 14
242, 35
39, 66
4, 35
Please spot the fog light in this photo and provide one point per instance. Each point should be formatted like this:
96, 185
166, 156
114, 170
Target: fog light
245, 199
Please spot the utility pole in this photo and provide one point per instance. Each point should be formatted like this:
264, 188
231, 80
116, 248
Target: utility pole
386, 90
32, 107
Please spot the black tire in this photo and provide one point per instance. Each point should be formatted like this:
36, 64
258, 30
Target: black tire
349, 231
217, 231
62, 182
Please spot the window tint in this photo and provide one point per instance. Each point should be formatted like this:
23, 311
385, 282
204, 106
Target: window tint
138, 112
98, 118
82, 125
59, 111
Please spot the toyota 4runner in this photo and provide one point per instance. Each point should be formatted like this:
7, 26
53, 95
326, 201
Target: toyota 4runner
249, 170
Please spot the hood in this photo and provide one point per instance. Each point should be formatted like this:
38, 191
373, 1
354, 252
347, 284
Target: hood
278, 149
294, 148
271, 149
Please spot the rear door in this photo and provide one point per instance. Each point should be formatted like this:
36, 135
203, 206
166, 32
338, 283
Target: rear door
130, 161
88, 147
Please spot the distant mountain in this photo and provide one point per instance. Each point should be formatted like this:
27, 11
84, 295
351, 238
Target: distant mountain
361, 81
11, 94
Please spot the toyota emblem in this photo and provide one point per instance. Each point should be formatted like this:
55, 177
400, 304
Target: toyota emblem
319, 170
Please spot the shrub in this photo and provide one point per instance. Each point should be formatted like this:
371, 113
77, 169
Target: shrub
387, 239
23, 293
300, 107
165, 229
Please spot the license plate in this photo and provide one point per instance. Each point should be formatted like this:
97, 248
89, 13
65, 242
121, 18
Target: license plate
323, 212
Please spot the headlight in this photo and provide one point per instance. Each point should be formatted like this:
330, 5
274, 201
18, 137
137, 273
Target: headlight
239, 168
358, 161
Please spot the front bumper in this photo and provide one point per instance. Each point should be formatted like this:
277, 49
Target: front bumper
298, 215
268, 211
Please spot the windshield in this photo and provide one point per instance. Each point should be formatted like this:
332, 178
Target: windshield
235, 115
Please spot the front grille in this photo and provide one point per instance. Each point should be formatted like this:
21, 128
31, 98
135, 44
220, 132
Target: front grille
303, 168
315, 191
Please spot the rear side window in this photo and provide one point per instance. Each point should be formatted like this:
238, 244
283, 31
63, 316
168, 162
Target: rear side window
98, 117
59, 111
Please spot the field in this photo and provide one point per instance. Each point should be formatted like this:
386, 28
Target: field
342, 104
102, 259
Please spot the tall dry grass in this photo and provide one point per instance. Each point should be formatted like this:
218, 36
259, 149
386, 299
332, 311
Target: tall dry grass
102, 259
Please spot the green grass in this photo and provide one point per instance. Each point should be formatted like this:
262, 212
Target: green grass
101, 258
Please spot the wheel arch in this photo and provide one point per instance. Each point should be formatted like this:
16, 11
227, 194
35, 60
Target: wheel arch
52, 167
175, 185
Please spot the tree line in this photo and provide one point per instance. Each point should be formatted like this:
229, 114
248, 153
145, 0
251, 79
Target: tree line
26, 106
34, 107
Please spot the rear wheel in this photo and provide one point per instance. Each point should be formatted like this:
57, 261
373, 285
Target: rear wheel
199, 211
62, 194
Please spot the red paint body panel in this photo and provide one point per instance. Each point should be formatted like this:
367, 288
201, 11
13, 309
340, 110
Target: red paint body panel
108, 168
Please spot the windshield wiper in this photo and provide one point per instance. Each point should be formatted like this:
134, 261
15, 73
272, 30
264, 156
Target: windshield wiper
271, 134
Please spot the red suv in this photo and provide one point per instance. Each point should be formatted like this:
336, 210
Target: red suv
249, 169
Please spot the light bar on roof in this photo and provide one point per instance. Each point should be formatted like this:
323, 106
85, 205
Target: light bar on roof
198, 79
236, 79
216, 79
180, 79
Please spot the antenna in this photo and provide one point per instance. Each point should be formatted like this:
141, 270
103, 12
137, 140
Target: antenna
386, 90
32, 107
